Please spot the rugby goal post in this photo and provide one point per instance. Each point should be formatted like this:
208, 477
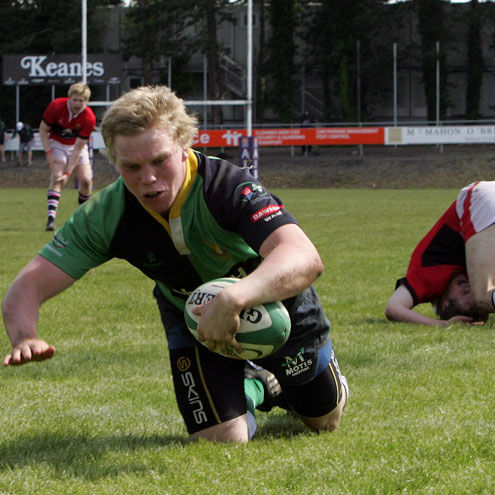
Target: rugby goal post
248, 102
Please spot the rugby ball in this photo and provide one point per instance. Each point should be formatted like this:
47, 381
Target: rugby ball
263, 329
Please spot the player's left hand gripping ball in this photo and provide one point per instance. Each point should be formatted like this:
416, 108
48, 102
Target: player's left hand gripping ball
263, 330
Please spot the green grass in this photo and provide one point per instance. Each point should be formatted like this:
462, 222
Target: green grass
101, 416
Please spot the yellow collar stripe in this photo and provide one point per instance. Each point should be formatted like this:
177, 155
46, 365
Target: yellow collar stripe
174, 215
191, 171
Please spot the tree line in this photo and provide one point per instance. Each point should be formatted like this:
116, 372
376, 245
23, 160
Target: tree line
344, 44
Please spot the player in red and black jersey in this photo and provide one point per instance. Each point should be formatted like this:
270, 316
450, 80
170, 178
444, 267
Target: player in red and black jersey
65, 131
452, 267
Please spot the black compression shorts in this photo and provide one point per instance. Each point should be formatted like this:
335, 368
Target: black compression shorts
209, 388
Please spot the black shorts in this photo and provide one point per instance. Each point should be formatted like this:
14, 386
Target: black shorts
209, 388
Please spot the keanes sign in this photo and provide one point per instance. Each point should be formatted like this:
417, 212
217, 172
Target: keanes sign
30, 70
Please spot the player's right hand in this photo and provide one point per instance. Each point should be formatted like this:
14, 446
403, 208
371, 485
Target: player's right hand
218, 324
457, 319
29, 350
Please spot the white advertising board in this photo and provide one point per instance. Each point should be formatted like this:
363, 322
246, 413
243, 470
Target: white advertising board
440, 135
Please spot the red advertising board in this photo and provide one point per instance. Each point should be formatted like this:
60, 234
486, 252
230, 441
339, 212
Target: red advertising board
293, 137
349, 135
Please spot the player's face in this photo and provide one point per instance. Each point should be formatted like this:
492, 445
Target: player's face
460, 291
152, 166
77, 103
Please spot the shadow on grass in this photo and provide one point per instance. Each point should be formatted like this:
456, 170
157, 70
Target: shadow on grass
79, 453
85, 455
281, 425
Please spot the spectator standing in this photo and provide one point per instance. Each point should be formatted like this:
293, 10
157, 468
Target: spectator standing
306, 121
26, 137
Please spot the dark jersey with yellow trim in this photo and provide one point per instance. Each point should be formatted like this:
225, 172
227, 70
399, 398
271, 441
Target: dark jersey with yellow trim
216, 226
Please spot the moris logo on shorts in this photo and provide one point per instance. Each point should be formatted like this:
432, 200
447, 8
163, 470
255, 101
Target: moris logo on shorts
265, 211
295, 365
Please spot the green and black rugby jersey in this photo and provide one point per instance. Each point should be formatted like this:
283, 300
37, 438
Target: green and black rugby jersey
215, 228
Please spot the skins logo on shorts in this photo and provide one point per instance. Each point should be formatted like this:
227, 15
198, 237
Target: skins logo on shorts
183, 364
298, 364
196, 405
267, 213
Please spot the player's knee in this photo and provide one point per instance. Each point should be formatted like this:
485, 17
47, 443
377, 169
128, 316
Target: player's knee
320, 425
56, 175
234, 430
329, 422
56, 181
86, 184
329, 426
482, 300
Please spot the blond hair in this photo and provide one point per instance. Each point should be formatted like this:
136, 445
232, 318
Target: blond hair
144, 108
80, 89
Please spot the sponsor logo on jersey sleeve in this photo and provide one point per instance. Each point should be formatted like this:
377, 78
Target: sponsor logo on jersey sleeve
58, 241
267, 213
252, 191
247, 193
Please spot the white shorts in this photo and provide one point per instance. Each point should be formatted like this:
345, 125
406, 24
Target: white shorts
62, 152
475, 207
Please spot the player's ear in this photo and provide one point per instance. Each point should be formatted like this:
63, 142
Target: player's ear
185, 154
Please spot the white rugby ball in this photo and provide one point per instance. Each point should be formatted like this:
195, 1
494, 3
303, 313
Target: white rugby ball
263, 329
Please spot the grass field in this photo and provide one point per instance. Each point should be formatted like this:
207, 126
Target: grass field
101, 416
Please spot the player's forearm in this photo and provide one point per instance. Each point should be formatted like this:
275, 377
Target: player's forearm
278, 277
402, 314
37, 282
20, 311
76, 153
286, 274
291, 263
71, 163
